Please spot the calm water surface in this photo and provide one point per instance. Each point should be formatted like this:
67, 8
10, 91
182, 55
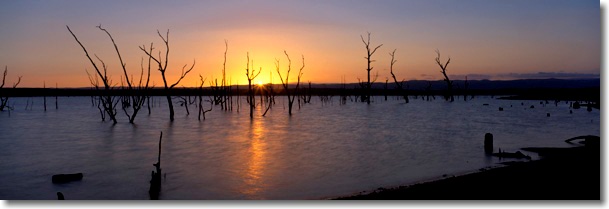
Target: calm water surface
324, 150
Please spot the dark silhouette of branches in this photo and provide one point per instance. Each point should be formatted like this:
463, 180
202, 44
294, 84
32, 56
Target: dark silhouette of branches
3, 97
291, 95
44, 86
269, 94
251, 76
162, 67
465, 89
97, 100
136, 99
370, 52
400, 85
107, 101
200, 96
225, 88
449, 83
428, 91
155, 181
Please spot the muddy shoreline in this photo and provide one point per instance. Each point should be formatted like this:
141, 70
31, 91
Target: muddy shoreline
560, 174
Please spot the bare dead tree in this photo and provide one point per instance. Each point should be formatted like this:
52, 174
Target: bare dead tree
108, 101
293, 94
270, 94
225, 88
183, 101
56, 105
200, 96
465, 89
3, 95
369, 58
307, 94
97, 101
428, 91
44, 87
449, 94
400, 85
251, 76
162, 67
343, 91
136, 98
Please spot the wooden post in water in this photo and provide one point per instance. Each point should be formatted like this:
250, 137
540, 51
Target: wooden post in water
44, 93
488, 143
155, 182
56, 105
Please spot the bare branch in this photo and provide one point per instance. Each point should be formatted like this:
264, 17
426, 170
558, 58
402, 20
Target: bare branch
393, 61
86, 53
300, 73
4, 76
446, 78
443, 66
149, 61
93, 83
379, 46
166, 41
120, 58
279, 72
18, 81
184, 73
151, 56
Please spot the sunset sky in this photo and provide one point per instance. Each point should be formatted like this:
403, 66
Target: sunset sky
485, 39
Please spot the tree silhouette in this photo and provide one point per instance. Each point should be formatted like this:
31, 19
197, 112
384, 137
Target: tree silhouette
162, 67
369, 58
3, 96
136, 98
400, 85
108, 101
200, 96
449, 94
291, 95
251, 76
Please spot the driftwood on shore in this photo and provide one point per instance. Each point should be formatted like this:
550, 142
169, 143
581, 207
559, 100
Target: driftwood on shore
517, 155
588, 140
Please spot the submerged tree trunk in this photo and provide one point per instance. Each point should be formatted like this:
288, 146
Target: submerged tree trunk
162, 67
368, 58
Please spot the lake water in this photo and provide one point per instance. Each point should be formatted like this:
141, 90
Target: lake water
324, 150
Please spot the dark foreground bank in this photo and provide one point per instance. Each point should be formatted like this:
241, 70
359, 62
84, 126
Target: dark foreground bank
561, 174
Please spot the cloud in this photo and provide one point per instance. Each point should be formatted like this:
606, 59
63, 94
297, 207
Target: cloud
428, 77
471, 77
546, 75
518, 76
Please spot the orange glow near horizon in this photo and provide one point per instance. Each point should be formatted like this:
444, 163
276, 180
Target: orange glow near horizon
327, 34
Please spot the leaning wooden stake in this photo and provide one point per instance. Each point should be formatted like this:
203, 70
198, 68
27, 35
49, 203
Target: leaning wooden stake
155, 182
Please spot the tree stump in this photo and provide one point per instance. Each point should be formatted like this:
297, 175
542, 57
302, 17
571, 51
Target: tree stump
488, 143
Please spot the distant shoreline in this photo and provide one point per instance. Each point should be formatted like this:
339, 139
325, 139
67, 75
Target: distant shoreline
552, 94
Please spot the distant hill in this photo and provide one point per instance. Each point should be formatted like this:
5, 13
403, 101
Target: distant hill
484, 84
546, 89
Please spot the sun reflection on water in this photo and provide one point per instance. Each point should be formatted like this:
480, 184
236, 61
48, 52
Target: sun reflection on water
256, 161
